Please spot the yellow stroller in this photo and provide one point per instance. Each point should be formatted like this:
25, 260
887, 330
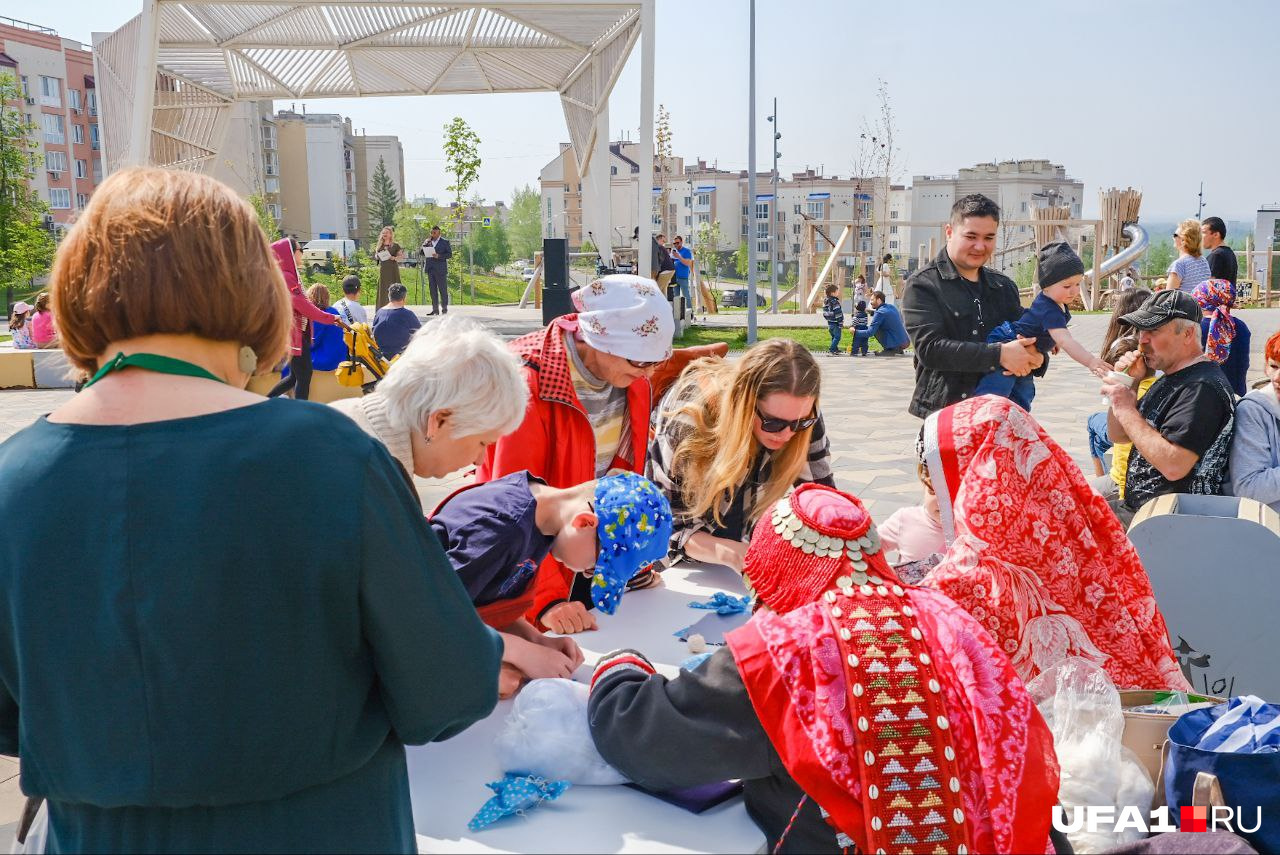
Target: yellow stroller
362, 354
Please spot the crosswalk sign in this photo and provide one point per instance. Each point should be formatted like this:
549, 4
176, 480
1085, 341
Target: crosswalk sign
486, 222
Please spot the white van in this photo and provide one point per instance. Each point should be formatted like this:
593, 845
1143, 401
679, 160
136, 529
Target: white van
319, 254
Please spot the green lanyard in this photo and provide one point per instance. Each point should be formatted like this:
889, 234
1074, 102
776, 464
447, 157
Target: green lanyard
152, 362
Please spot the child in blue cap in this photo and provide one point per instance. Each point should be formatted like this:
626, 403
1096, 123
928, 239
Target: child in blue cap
497, 534
1060, 271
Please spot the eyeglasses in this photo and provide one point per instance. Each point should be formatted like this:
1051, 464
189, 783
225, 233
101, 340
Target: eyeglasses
644, 366
770, 424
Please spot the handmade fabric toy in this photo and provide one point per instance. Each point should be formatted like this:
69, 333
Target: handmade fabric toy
724, 604
634, 530
516, 794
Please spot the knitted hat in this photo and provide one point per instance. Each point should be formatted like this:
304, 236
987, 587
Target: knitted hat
634, 530
625, 316
816, 536
1057, 262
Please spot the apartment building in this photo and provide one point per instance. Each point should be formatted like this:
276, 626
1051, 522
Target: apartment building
561, 188
1017, 186
369, 150
698, 194
59, 99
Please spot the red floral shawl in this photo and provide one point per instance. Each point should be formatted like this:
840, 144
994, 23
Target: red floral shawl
914, 734
1035, 555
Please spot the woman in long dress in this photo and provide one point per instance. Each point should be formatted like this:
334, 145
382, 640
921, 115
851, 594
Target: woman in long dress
884, 282
389, 254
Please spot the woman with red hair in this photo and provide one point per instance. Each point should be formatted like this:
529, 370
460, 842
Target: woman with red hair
1255, 446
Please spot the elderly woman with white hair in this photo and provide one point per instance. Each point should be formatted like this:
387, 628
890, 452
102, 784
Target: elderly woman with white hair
453, 393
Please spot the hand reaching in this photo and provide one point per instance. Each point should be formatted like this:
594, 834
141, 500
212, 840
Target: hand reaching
568, 618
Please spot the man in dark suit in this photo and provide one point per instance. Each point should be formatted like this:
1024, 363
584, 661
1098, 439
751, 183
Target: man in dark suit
436, 253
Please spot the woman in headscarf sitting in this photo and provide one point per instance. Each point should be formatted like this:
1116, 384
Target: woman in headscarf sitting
1037, 556
856, 711
1225, 337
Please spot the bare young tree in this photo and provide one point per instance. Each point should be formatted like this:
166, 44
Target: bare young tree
886, 160
662, 148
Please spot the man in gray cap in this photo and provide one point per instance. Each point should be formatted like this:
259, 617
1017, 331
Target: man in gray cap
1181, 429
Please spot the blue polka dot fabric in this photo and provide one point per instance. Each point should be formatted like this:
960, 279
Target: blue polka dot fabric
634, 532
515, 794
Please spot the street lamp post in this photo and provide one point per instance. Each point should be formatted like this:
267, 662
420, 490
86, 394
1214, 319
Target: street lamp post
693, 218
775, 254
751, 182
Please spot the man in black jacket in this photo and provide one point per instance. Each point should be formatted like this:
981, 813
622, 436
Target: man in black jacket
436, 252
950, 306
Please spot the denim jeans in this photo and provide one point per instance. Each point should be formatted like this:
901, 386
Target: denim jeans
1020, 390
836, 331
1099, 442
861, 342
682, 285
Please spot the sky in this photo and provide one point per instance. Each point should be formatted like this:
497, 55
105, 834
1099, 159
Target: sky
1159, 96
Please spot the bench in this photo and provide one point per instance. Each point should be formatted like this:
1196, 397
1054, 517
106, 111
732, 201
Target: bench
34, 369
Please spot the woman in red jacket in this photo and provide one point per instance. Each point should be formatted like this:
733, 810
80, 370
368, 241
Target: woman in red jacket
588, 415
289, 256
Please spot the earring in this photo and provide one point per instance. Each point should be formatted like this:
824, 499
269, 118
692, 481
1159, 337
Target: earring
426, 439
248, 360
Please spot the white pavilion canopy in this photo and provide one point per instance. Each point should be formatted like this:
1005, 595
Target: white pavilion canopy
198, 57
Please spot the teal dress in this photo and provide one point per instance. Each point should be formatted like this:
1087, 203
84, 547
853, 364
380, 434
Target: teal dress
219, 633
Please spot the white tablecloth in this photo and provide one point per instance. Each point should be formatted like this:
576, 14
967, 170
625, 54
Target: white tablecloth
447, 779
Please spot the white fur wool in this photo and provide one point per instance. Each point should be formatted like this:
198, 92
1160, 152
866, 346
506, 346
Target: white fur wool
547, 734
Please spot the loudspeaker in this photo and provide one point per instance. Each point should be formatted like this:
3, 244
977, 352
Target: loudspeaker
556, 300
555, 262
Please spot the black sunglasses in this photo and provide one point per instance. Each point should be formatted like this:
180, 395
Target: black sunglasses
769, 424
644, 366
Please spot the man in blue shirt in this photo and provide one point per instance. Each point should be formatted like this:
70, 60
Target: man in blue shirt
886, 326
683, 268
394, 325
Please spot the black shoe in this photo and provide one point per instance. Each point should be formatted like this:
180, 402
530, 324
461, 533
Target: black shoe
429, 314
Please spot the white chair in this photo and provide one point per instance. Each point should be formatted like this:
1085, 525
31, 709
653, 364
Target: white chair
1214, 565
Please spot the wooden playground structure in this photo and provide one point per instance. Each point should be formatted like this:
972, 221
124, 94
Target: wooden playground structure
1117, 239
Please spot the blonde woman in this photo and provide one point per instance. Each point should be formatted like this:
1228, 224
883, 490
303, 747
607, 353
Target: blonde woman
1190, 268
731, 438
389, 254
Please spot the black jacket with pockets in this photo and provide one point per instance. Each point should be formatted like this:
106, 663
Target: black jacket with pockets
948, 319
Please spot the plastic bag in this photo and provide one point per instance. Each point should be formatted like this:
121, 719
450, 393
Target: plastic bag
1082, 708
546, 734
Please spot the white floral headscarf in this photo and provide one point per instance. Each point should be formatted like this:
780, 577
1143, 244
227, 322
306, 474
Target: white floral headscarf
626, 316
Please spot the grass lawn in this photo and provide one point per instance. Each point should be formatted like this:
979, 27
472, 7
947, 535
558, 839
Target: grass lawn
489, 290
813, 338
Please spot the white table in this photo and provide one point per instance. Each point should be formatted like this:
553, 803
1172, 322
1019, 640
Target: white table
447, 779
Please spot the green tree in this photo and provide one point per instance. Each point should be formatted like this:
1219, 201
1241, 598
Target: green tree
489, 247
706, 248
26, 247
383, 198
1025, 272
588, 259
413, 225
266, 219
462, 161
524, 226
1158, 258
741, 259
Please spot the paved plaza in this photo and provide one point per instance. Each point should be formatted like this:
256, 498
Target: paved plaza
864, 401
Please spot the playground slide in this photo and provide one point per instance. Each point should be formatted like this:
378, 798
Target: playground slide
1138, 242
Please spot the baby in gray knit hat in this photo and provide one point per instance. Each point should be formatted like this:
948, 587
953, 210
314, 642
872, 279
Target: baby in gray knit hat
1060, 271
